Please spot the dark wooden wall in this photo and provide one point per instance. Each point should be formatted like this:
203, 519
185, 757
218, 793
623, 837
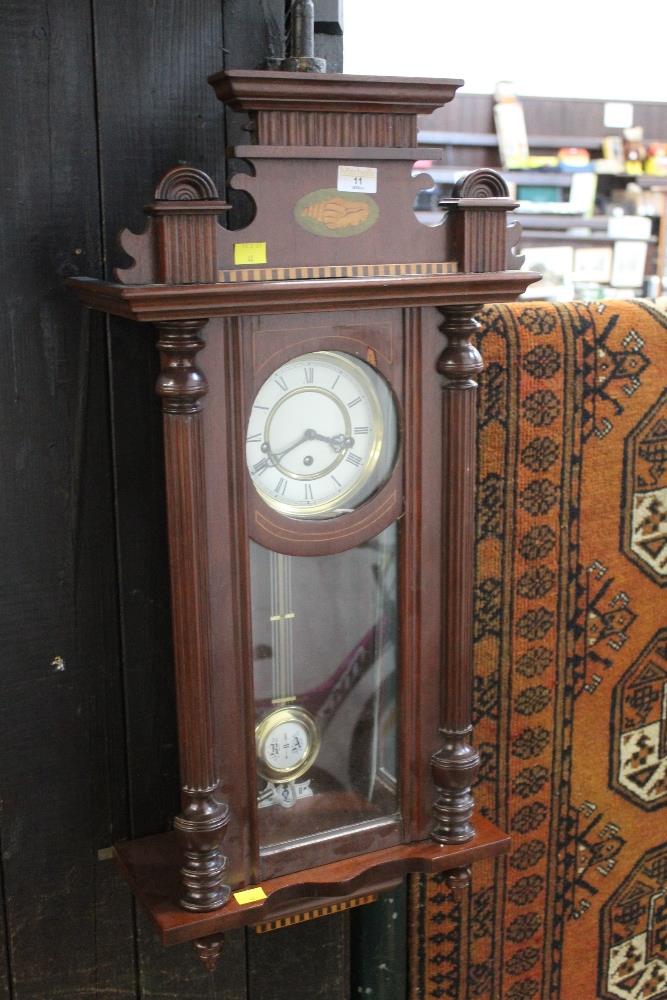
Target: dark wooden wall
97, 99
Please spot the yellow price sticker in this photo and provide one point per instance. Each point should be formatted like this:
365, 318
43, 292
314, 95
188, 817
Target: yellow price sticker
249, 253
254, 895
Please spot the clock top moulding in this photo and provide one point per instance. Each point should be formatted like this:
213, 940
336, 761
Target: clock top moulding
304, 126
188, 269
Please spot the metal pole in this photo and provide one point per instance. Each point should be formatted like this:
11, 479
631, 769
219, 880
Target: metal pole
302, 58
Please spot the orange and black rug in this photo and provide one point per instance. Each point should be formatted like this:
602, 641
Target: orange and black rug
571, 666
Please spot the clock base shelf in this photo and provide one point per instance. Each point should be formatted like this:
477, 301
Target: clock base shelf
151, 866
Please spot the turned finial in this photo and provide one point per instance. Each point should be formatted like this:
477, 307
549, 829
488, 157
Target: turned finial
209, 949
302, 58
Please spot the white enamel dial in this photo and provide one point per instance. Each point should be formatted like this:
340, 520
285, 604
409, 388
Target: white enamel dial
287, 744
315, 434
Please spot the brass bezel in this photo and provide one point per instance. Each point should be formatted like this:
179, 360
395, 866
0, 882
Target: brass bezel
281, 775
355, 368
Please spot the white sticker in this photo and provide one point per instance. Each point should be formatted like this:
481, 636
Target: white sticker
358, 179
618, 114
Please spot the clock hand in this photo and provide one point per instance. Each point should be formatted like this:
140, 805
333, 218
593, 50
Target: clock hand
275, 456
338, 442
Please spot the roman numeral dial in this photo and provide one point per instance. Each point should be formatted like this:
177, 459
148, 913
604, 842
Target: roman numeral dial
316, 432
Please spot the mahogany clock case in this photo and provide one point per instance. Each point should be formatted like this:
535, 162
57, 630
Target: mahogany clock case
224, 327
401, 345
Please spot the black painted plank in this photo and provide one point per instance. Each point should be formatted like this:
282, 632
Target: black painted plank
176, 973
308, 961
155, 110
329, 16
254, 33
59, 728
97, 632
5, 968
327, 46
378, 947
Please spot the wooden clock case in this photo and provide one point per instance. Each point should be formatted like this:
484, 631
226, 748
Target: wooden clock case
385, 293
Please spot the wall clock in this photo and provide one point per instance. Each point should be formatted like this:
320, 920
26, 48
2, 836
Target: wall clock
319, 435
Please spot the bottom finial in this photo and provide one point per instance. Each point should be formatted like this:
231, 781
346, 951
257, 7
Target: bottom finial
458, 880
209, 950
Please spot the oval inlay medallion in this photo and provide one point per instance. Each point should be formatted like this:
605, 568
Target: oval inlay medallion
328, 212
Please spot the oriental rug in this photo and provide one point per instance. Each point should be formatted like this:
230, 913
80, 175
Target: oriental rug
571, 666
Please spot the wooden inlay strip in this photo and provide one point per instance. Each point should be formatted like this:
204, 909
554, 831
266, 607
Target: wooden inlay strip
235, 275
321, 911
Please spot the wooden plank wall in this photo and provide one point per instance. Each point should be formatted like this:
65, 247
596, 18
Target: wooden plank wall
99, 98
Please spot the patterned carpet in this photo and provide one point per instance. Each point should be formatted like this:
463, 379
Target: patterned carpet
571, 666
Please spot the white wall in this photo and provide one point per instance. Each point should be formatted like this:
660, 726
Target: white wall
589, 48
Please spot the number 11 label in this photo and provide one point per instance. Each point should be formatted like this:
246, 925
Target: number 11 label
358, 179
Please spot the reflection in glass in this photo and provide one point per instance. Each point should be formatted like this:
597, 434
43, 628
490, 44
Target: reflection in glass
325, 660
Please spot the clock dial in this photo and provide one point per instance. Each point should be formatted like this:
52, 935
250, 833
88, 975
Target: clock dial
317, 430
287, 744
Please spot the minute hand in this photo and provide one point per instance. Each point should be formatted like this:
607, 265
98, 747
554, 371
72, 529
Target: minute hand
338, 442
275, 456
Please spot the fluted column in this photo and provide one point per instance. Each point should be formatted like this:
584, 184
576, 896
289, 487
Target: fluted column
204, 816
455, 765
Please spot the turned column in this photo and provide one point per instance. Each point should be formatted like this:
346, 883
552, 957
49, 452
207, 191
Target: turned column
204, 815
455, 765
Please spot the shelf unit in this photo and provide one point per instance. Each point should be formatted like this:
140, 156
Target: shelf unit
549, 229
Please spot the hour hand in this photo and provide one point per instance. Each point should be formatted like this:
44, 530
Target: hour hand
338, 442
